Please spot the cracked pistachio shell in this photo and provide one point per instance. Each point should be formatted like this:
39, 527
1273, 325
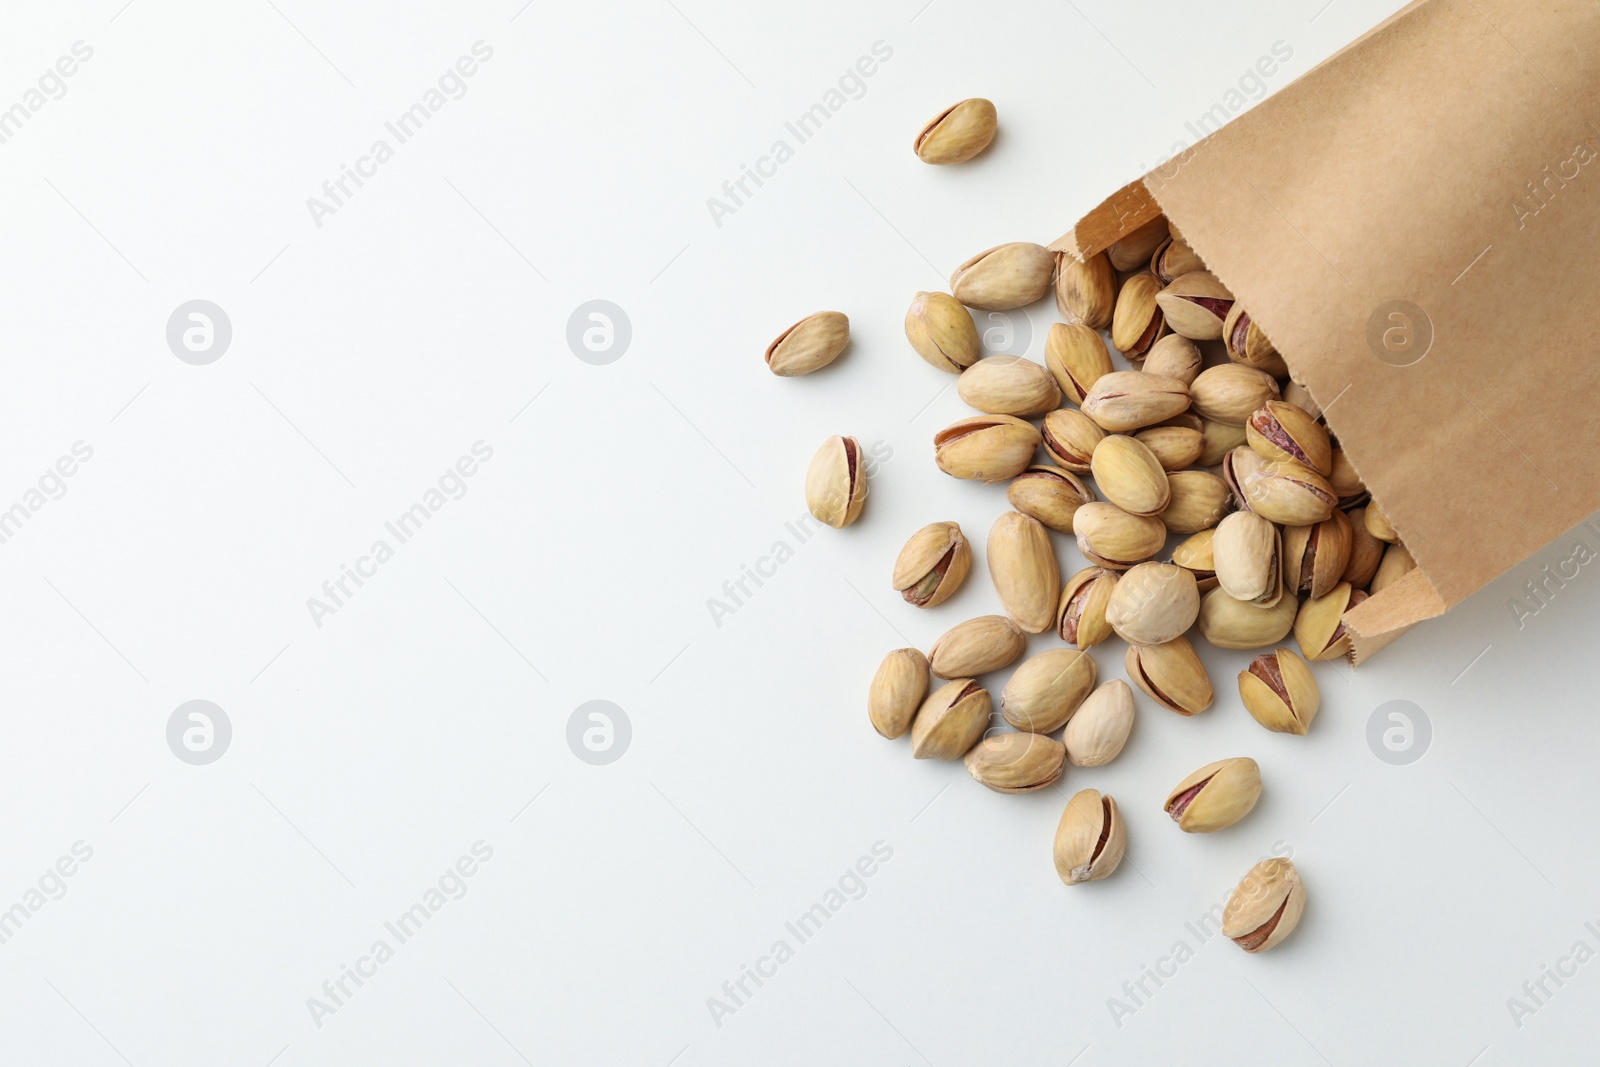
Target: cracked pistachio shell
1114, 539
810, 344
1070, 437
1279, 692
897, 691
1239, 624
1173, 259
1265, 906
1248, 554
1199, 500
1216, 796
1318, 626
1220, 439
1016, 762
1081, 612
1137, 321
1086, 289
1171, 674
1004, 277
1097, 732
1280, 430
1288, 493
1009, 385
1090, 839
942, 332
1366, 551
1346, 483
1197, 555
986, 448
1135, 250
1231, 392
1298, 395
1177, 445
1130, 476
1153, 603
1174, 356
1378, 524
1127, 400
950, 720
957, 133
1022, 563
836, 482
1196, 305
977, 646
1247, 345
933, 564
1076, 357
1050, 495
1314, 557
1045, 690
1396, 564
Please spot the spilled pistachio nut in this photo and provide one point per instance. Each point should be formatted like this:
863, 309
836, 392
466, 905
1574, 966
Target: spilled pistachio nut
810, 344
1174, 356
1346, 483
1314, 557
1197, 555
1016, 762
1098, 730
977, 646
1127, 400
1231, 392
1298, 395
1171, 675
1365, 551
1265, 907
1282, 491
1198, 501
941, 330
897, 691
1176, 443
1070, 437
1280, 430
1220, 438
1114, 539
1279, 692
986, 448
1136, 248
836, 482
950, 720
1137, 321
957, 133
1246, 344
1196, 305
1319, 626
1076, 356
1009, 385
1396, 564
933, 564
1173, 259
1086, 289
1046, 690
1004, 277
1022, 563
1247, 553
1050, 495
1130, 476
1090, 838
1378, 524
1081, 613
1153, 603
1240, 624
1216, 796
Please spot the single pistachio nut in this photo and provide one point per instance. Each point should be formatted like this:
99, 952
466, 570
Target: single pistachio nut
1022, 563
1135, 249
1174, 356
1173, 259
1198, 502
1197, 555
1081, 611
1248, 556
1216, 796
1090, 839
1050, 495
1242, 624
1004, 277
836, 482
957, 133
1153, 603
1280, 692
1319, 625
1396, 564
1137, 321
1009, 385
1346, 483
1246, 344
986, 448
1280, 430
1076, 356
1171, 674
1196, 305
1314, 557
1098, 730
941, 330
950, 720
810, 344
933, 564
1231, 392
1366, 551
1126, 400
1220, 439
1176, 445
1086, 289
1265, 906
1045, 690
1070, 437
1282, 490
1114, 539
1016, 762
1298, 395
977, 646
898, 689
1378, 524
1130, 476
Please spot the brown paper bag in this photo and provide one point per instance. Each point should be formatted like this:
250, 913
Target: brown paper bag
1431, 190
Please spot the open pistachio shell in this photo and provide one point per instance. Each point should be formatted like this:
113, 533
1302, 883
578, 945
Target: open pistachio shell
1216, 796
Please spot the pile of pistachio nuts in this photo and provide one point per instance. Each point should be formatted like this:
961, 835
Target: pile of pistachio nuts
1199, 448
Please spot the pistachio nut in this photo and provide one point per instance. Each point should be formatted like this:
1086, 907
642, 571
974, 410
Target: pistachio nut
1153, 603
1378, 524
1396, 564
1197, 555
1231, 392
1174, 356
1265, 907
1173, 259
933, 564
836, 482
1319, 625
1176, 445
1216, 796
1137, 321
1090, 839
1114, 539
957, 133
1070, 437
1081, 612
1130, 476
1346, 483
1314, 557
1284, 491
1196, 305
1022, 563
1279, 692
1246, 344
1298, 395
1009, 385
986, 448
1045, 690
897, 691
941, 329
1237, 466
1240, 624
1050, 495
1220, 439
1127, 400
1086, 289
810, 344
1076, 357
1279, 430
1136, 248
1004, 277
1366, 551
1198, 502
977, 646
1171, 675
1098, 730
1248, 555
1016, 762
950, 720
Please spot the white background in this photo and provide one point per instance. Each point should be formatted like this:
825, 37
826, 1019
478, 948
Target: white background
370, 752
